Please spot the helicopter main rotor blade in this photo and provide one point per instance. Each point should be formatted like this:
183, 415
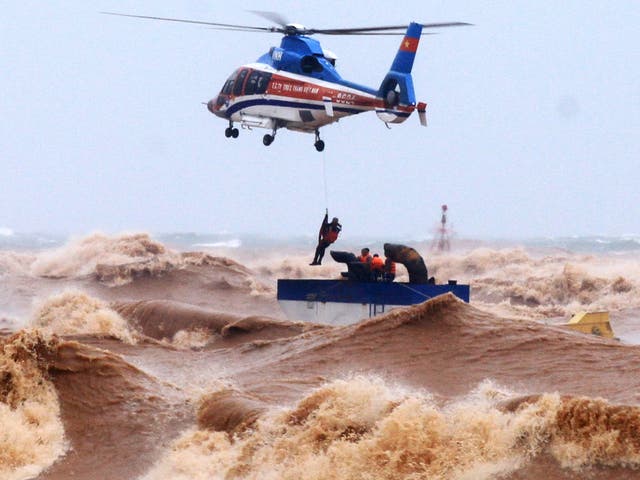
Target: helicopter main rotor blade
246, 28
291, 29
395, 34
387, 28
274, 17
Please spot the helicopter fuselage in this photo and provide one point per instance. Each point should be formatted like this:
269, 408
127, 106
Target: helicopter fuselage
258, 95
296, 86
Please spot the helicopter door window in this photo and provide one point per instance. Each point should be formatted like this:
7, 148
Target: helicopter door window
250, 87
262, 83
237, 88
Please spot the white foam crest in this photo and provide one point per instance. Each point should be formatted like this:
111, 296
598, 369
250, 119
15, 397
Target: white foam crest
82, 256
73, 312
12, 263
195, 338
513, 282
233, 243
362, 428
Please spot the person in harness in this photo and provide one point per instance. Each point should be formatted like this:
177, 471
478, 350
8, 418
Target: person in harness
328, 234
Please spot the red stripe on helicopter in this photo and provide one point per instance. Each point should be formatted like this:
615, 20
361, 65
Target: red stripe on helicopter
409, 44
288, 87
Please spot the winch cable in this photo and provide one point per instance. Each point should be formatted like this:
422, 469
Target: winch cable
324, 179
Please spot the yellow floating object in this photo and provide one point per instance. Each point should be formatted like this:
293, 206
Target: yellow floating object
595, 323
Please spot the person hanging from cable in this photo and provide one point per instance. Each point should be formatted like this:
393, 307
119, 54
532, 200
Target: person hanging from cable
326, 236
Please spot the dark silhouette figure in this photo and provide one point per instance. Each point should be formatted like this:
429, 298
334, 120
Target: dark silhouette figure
328, 234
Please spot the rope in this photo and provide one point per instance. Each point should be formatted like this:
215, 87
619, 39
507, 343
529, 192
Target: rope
414, 291
324, 178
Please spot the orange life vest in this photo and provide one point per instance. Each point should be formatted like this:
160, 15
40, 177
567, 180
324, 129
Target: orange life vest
377, 263
365, 258
331, 236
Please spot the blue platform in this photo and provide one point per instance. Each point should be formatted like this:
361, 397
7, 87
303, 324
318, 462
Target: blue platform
380, 293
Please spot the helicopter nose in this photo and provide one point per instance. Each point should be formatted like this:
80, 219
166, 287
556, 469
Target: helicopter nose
211, 105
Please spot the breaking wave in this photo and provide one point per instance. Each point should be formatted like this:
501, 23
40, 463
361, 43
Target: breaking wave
83, 256
361, 427
512, 281
74, 313
119, 260
32, 434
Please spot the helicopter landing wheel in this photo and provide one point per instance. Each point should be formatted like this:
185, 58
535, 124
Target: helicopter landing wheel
235, 132
319, 145
268, 140
228, 132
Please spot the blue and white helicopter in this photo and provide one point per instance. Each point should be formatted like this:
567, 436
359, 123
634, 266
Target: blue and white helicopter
296, 85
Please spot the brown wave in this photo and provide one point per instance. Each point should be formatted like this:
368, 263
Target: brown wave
164, 319
32, 435
113, 413
287, 414
159, 265
81, 256
590, 431
74, 313
517, 282
364, 427
450, 345
265, 328
122, 259
229, 411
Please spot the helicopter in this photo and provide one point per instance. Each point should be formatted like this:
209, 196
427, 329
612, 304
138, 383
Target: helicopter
296, 85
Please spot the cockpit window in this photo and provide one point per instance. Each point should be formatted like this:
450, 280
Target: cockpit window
237, 88
228, 85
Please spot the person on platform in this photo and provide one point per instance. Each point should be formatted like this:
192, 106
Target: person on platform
389, 270
328, 234
365, 256
377, 267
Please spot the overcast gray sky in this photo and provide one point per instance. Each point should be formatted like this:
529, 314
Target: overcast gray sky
534, 121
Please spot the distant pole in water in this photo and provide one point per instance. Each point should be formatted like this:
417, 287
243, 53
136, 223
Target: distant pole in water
441, 240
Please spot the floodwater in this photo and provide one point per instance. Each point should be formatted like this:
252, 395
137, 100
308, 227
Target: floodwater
121, 358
